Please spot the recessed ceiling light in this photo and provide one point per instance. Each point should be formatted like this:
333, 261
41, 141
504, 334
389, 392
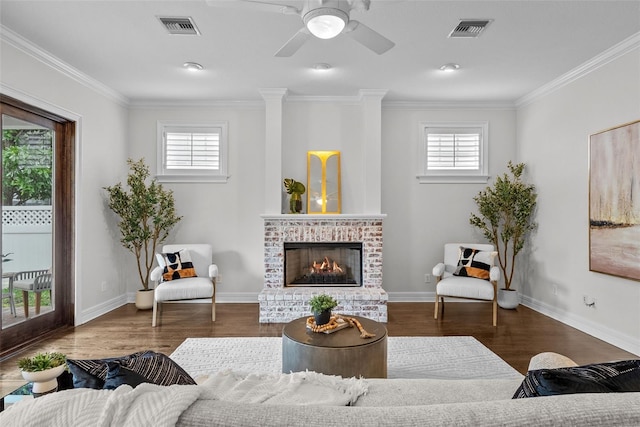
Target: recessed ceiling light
193, 66
321, 66
450, 67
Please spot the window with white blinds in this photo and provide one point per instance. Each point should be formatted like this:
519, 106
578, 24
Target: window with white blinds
453, 152
453, 149
192, 152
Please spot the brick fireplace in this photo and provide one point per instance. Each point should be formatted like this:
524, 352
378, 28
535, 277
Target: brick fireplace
280, 303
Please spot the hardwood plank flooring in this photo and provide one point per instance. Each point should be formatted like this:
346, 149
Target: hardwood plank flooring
520, 334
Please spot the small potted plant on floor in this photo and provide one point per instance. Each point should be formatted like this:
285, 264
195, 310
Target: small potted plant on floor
321, 306
43, 369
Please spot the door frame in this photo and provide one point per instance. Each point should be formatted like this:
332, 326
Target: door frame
25, 333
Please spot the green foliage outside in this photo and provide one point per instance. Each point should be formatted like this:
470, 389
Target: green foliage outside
147, 214
17, 295
505, 216
26, 169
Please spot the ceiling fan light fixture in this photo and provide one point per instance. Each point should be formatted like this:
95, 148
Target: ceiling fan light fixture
325, 22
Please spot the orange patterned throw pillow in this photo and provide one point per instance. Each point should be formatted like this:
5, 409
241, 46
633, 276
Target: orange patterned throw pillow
177, 265
474, 263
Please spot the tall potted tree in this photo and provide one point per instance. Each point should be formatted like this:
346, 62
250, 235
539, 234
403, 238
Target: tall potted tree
505, 219
147, 214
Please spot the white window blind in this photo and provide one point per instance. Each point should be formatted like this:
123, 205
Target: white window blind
453, 149
192, 152
199, 150
453, 152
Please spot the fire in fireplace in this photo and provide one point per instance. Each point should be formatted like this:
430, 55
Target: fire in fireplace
323, 264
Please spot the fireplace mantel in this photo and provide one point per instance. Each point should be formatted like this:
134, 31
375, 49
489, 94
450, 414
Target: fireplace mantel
304, 217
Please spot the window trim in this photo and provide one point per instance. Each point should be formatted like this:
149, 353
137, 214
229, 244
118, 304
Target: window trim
479, 176
191, 175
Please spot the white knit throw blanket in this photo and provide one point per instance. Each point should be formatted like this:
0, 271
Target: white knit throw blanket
298, 388
159, 406
147, 404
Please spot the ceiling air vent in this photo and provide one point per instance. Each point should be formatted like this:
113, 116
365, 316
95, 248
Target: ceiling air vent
469, 28
179, 25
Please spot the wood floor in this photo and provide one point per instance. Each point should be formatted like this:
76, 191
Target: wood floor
520, 333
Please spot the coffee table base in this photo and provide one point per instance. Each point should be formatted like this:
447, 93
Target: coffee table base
342, 353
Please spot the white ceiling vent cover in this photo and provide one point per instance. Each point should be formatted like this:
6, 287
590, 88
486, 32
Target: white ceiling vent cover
179, 25
469, 28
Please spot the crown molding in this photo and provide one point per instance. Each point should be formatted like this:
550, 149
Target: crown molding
160, 104
338, 99
624, 47
448, 105
13, 39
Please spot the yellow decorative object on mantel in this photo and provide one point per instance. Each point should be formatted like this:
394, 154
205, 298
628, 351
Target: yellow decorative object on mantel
323, 182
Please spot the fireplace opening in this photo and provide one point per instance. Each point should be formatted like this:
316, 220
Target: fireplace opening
323, 264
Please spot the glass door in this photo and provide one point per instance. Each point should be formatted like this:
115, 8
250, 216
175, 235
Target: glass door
34, 229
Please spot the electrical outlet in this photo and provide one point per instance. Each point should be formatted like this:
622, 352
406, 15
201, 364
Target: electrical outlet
589, 301
219, 278
104, 285
427, 278
555, 289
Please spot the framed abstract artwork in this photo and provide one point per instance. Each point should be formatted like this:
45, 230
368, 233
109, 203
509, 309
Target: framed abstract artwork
614, 201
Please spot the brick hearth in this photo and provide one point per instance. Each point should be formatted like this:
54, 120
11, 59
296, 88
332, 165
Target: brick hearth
280, 304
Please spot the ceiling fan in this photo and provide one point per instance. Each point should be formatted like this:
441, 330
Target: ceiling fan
324, 19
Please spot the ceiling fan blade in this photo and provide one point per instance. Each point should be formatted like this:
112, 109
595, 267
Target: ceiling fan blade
294, 43
368, 37
255, 5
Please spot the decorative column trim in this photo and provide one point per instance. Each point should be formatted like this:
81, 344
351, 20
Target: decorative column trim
274, 99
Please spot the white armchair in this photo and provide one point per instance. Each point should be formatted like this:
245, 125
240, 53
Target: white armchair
456, 286
200, 289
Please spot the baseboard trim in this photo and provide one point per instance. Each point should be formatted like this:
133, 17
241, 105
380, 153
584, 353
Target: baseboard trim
221, 297
412, 296
611, 336
100, 309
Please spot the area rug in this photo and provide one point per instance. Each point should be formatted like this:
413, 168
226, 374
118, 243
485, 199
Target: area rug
407, 357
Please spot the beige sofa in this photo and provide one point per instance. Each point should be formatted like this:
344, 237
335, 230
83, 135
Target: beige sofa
388, 402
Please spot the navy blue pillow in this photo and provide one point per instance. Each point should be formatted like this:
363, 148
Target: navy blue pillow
91, 373
155, 367
612, 377
118, 375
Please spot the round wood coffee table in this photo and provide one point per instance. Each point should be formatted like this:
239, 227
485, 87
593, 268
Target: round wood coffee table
341, 353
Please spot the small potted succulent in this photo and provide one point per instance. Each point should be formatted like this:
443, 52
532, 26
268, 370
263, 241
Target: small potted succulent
43, 369
321, 306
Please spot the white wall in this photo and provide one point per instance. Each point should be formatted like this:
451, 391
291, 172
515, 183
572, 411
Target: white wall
100, 154
553, 136
325, 125
225, 215
422, 217
414, 231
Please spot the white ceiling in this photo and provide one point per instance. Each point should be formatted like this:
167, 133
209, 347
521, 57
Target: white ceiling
123, 45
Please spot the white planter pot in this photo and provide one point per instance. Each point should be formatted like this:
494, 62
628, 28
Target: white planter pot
144, 299
508, 298
44, 381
